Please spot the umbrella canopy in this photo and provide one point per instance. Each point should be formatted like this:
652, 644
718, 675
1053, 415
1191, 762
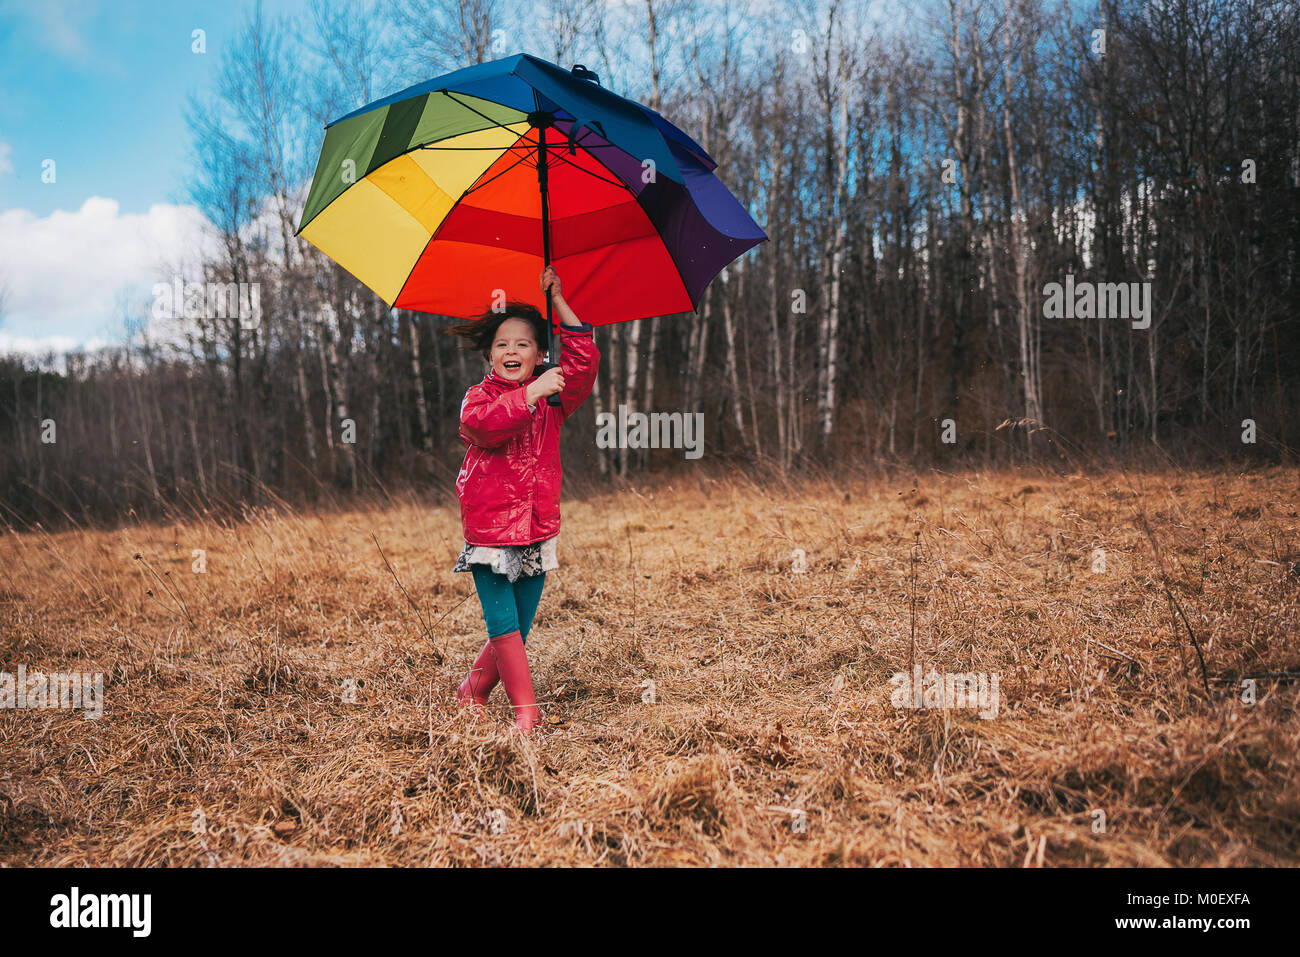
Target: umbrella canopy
433, 197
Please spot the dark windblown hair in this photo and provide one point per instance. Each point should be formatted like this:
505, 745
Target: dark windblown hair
478, 333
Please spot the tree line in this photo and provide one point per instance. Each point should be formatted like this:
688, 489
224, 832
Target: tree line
999, 231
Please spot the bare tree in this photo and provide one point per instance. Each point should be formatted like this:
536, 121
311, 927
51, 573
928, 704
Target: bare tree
445, 35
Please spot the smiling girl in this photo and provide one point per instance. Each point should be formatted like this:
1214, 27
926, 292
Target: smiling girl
509, 484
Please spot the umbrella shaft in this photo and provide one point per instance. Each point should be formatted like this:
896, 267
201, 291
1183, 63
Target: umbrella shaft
552, 345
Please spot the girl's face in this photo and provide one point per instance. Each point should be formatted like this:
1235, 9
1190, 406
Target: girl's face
514, 351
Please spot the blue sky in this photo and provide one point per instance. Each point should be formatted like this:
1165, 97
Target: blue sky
99, 87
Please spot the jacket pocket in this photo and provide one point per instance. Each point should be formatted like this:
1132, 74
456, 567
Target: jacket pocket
546, 496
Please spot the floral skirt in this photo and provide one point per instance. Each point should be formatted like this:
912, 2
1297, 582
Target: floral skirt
510, 560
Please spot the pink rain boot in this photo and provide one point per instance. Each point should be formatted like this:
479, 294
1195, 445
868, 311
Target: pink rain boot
512, 664
478, 684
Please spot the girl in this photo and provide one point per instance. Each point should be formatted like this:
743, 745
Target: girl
509, 484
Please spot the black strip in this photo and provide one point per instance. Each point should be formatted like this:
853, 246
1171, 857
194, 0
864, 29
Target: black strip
399, 127
1037, 903
655, 200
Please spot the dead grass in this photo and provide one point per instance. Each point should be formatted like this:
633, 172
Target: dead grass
770, 739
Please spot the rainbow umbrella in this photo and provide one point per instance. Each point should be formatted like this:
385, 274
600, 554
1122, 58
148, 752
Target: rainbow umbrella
455, 193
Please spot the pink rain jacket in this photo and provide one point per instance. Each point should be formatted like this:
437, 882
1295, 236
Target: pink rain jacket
509, 483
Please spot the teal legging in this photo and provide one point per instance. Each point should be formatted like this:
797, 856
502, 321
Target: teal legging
507, 607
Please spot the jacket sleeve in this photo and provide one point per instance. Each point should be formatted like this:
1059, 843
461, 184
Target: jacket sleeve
579, 360
489, 423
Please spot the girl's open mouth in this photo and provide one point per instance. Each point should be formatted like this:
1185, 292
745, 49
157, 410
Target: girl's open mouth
511, 366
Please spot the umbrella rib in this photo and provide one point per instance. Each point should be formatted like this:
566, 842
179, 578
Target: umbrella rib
592, 146
530, 153
448, 93
457, 148
489, 179
526, 156
578, 142
612, 182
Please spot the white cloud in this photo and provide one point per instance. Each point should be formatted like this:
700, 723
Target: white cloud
69, 275
10, 345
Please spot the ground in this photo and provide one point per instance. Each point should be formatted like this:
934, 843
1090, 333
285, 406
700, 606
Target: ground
714, 660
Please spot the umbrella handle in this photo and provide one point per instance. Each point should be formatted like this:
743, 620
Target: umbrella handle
553, 347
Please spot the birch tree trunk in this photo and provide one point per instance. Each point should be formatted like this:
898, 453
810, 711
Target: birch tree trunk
777, 303
378, 332
696, 351
304, 393
602, 460
732, 374
133, 383
195, 450
828, 338
1025, 325
656, 93
442, 384
633, 339
341, 407
327, 383
648, 398
417, 377
615, 347
751, 397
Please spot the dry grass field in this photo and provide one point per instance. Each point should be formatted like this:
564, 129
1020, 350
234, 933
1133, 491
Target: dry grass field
712, 697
